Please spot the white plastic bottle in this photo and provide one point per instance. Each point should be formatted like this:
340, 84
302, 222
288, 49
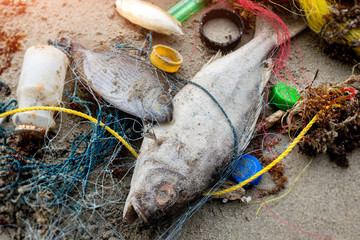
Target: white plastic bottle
41, 84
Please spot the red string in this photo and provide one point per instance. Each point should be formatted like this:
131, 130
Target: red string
291, 225
349, 90
283, 35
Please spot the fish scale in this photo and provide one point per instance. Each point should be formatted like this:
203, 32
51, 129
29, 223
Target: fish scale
95, 67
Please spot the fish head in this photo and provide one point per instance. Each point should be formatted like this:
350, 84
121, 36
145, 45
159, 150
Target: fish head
158, 106
153, 195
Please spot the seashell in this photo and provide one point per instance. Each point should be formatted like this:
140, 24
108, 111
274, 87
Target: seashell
148, 16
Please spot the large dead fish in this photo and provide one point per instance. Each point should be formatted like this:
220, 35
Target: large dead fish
125, 81
179, 160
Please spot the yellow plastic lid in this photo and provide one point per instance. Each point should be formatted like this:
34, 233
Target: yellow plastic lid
166, 58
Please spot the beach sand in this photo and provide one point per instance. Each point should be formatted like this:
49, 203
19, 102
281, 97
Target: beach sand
325, 199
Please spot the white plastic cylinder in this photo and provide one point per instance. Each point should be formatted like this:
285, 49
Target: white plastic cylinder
41, 84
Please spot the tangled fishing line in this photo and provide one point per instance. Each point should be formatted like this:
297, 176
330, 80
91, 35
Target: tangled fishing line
66, 188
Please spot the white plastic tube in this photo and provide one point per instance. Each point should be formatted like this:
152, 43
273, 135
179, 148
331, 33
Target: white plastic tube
41, 84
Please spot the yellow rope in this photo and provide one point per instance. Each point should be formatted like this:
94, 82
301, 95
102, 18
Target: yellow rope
273, 163
80, 114
83, 115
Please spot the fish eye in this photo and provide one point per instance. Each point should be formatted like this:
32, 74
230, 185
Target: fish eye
164, 99
164, 194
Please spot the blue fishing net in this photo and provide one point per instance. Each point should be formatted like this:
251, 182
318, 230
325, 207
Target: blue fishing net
68, 182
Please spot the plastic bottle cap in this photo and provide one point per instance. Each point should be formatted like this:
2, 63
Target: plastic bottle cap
30, 131
219, 13
283, 96
166, 58
245, 167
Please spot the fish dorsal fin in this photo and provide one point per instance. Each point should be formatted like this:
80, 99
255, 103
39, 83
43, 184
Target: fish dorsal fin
262, 28
216, 56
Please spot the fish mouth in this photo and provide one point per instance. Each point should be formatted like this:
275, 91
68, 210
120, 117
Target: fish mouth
160, 108
161, 117
148, 209
133, 211
169, 117
164, 115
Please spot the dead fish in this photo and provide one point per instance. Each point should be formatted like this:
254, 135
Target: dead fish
187, 155
125, 81
148, 16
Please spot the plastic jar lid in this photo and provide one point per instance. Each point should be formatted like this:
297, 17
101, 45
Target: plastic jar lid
166, 58
30, 131
217, 14
284, 96
247, 166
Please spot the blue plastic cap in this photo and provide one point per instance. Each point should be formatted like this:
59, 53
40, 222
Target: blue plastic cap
245, 167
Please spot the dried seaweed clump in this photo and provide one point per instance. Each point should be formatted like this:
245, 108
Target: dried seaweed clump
278, 177
337, 130
341, 32
9, 45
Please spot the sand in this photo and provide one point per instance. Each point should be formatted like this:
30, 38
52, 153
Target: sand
325, 199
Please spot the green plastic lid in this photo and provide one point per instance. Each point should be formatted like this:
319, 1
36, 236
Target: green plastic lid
284, 96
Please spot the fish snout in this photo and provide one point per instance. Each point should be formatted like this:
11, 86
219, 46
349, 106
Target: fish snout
149, 206
154, 196
133, 210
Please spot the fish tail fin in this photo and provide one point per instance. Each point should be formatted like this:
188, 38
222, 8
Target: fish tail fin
65, 42
76, 47
295, 26
271, 27
262, 27
279, 34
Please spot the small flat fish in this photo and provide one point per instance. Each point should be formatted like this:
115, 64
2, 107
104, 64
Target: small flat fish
127, 82
188, 154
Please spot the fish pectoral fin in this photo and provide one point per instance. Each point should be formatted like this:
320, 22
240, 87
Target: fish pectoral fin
150, 134
266, 74
215, 57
